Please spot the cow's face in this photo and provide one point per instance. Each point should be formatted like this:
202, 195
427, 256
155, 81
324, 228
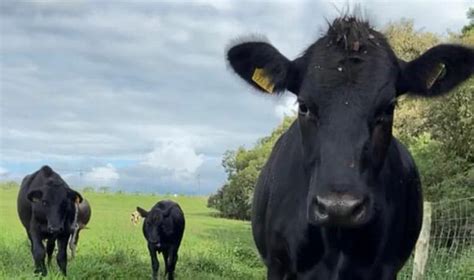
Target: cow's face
347, 84
135, 217
151, 225
53, 204
345, 116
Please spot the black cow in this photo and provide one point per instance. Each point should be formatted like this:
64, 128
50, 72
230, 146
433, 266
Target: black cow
46, 206
340, 197
83, 216
163, 227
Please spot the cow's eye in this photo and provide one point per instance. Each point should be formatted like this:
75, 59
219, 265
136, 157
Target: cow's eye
44, 202
302, 109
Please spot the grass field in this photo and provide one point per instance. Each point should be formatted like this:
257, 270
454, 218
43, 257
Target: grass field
212, 248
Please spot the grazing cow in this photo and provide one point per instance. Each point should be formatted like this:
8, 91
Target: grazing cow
135, 218
46, 207
163, 227
340, 197
83, 216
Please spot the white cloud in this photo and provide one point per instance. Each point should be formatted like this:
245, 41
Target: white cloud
3, 172
102, 176
156, 70
287, 106
176, 156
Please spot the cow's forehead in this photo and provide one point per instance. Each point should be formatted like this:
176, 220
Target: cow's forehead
351, 62
347, 96
54, 193
155, 215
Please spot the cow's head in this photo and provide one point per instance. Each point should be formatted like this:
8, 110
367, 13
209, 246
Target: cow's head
135, 217
53, 202
347, 84
152, 224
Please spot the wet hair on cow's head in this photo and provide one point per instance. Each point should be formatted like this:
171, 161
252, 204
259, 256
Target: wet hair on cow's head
347, 84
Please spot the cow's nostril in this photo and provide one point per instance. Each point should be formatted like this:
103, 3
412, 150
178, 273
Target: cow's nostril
340, 209
359, 210
321, 209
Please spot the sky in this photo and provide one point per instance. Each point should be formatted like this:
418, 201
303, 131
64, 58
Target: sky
137, 95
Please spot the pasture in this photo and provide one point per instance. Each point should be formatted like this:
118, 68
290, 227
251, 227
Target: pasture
212, 248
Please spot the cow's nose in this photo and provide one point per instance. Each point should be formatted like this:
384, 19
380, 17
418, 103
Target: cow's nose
341, 210
52, 229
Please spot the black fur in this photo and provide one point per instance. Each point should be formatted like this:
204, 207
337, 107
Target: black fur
163, 228
46, 210
246, 57
459, 63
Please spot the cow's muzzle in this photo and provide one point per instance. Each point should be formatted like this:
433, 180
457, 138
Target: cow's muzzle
54, 230
339, 210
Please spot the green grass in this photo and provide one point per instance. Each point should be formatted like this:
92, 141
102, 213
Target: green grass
212, 248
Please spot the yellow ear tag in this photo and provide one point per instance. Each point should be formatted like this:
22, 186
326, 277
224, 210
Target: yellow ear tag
261, 79
437, 73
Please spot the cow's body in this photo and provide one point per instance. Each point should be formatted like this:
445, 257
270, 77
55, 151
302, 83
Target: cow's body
163, 228
339, 197
291, 247
46, 207
83, 217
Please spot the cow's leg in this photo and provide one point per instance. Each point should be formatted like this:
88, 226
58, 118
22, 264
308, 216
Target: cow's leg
172, 259
77, 237
50, 249
61, 258
275, 270
274, 273
73, 243
165, 260
155, 265
39, 253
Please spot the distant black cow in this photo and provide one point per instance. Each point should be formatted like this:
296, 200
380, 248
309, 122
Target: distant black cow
163, 228
46, 206
340, 197
83, 217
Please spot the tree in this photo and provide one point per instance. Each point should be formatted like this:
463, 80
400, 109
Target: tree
104, 189
9, 185
234, 198
470, 27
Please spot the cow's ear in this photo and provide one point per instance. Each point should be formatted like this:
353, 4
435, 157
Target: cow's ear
74, 196
35, 195
437, 71
142, 212
265, 68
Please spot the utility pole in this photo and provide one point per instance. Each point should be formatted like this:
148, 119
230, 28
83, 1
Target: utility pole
80, 178
199, 183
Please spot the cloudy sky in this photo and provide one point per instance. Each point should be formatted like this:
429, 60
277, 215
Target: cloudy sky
137, 95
